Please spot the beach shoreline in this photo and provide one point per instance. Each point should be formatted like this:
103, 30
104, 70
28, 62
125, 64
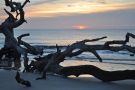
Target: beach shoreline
55, 82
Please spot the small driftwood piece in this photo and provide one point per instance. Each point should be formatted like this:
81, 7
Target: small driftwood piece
22, 81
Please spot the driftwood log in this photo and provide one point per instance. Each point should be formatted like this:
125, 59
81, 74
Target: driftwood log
81, 46
8, 26
105, 76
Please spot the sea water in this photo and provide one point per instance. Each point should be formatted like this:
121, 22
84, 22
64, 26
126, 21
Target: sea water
64, 37
68, 36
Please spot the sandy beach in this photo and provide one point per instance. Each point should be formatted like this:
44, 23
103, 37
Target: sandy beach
52, 82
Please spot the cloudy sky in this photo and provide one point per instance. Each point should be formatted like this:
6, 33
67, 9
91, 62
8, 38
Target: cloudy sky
68, 14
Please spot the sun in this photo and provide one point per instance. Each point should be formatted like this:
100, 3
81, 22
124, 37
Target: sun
80, 27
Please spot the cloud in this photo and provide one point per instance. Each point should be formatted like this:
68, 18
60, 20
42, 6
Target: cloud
102, 1
54, 8
36, 2
80, 7
119, 19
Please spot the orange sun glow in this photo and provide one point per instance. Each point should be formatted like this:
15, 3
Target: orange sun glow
80, 27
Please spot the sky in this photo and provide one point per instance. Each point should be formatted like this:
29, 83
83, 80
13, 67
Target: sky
81, 14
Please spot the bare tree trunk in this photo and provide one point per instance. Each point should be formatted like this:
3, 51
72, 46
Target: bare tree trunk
105, 76
7, 27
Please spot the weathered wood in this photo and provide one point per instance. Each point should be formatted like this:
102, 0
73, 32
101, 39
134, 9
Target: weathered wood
30, 49
83, 47
10, 4
7, 27
10, 23
105, 76
11, 53
21, 80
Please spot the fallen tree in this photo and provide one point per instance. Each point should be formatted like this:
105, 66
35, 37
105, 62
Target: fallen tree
105, 76
81, 46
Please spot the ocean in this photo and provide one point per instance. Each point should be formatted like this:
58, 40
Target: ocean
67, 37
